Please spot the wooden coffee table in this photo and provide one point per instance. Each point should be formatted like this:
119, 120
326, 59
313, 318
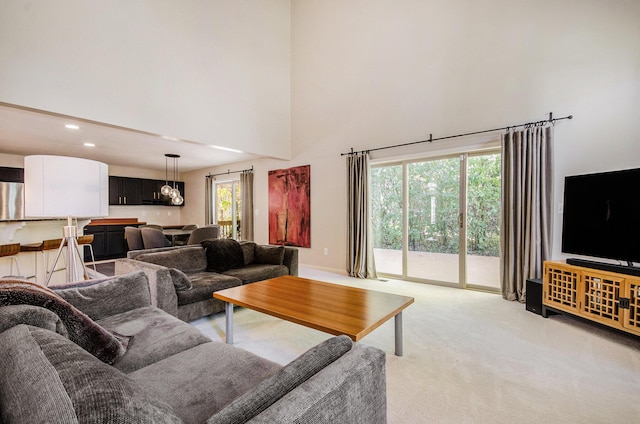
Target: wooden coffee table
332, 308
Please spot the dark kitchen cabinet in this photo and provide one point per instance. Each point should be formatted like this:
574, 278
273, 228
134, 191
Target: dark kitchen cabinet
115, 245
151, 192
125, 191
108, 242
11, 175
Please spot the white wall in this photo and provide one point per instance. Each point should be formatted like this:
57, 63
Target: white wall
369, 73
209, 71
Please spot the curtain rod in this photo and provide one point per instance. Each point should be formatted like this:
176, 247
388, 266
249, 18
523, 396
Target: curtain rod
551, 120
230, 172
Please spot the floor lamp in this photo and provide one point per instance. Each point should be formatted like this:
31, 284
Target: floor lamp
61, 186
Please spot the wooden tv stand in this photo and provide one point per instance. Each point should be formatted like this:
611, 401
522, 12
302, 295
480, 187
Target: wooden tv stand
609, 298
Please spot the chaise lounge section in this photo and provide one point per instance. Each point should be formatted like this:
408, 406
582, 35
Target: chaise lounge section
184, 278
100, 352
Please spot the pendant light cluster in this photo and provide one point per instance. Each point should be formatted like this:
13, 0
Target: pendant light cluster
166, 189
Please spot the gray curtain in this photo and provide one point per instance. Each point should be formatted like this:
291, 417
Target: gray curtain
246, 193
209, 209
360, 262
525, 226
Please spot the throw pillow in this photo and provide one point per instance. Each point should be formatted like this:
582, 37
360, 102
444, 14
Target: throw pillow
270, 255
223, 254
180, 280
245, 407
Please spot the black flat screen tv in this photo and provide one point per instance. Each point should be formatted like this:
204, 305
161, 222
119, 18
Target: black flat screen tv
601, 215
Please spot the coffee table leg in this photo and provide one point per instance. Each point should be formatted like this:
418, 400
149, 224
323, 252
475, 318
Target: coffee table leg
228, 311
398, 322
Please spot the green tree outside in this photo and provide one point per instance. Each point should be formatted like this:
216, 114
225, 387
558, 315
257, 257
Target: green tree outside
434, 188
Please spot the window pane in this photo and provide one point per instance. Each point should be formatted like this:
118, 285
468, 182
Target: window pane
434, 203
483, 220
386, 218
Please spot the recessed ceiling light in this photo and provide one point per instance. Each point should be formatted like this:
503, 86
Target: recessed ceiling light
228, 149
72, 127
89, 144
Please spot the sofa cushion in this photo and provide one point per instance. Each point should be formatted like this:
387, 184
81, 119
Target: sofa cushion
133, 286
267, 392
156, 335
81, 329
204, 284
248, 251
200, 381
180, 280
223, 254
186, 259
257, 272
272, 255
45, 377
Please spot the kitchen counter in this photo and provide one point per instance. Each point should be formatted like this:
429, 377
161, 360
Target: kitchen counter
115, 221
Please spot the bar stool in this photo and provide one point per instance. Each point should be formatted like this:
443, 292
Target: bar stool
51, 244
34, 248
85, 241
10, 251
41, 247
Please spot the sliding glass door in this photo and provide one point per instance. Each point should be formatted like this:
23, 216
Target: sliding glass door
483, 221
436, 220
433, 244
387, 218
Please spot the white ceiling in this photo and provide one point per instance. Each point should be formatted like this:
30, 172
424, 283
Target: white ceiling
28, 132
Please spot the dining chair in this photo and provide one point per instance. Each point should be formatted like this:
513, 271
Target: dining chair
182, 240
134, 238
153, 238
156, 226
204, 233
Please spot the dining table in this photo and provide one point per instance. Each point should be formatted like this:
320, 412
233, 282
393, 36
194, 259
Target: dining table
173, 233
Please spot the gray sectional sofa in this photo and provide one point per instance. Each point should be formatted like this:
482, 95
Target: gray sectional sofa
184, 278
100, 352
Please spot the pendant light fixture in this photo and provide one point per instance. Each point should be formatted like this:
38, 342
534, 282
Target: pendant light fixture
166, 189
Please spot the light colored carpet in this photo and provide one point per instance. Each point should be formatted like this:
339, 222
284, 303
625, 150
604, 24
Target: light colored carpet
472, 357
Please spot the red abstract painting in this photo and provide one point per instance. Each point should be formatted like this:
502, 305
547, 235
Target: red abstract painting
290, 206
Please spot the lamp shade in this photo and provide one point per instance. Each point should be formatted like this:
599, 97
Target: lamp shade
57, 186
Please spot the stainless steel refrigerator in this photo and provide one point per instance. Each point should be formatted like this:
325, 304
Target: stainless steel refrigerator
12, 201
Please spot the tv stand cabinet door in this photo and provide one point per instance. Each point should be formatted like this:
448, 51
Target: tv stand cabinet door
600, 297
631, 320
560, 287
